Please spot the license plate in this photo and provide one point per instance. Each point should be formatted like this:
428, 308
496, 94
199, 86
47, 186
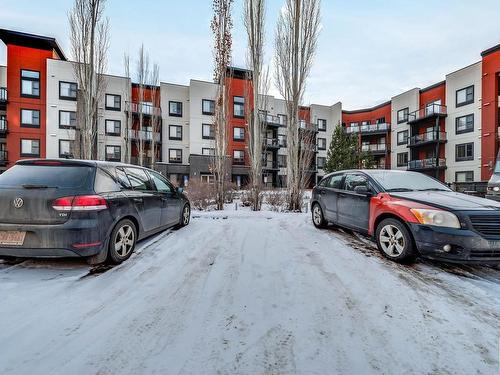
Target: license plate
12, 238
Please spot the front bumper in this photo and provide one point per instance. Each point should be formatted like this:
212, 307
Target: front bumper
75, 238
467, 246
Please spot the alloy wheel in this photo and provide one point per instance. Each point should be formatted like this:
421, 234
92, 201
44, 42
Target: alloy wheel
185, 215
317, 215
392, 240
124, 240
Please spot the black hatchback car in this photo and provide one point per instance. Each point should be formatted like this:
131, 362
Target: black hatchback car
92, 209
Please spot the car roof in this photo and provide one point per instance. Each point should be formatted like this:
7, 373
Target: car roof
369, 172
90, 163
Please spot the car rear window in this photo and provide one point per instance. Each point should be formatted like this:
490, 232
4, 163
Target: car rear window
59, 176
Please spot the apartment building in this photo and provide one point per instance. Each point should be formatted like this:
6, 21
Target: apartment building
449, 130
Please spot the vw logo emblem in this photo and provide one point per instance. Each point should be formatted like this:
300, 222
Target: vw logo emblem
18, 202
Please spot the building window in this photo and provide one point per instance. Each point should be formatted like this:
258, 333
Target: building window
30, 147
67, 90
113, 153
30, 118
282, 119
175, 109
464, 124
65, 148
238, 157
207, 131
67, 119
402, 159
281, 161
467, 176
321, 162
207, 107
113, 102
464, 151
238, 134
208, 151
30, 83
354, 124
403, 115
321, 143
321, 125
465, 96
364, 123
175, 155
239, 107
380, 120
175, 132
113, 127
403, 137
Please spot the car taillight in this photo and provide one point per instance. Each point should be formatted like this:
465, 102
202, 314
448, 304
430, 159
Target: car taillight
80, 203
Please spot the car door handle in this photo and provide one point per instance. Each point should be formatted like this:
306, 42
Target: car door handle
138, 200
342, 195
322, 192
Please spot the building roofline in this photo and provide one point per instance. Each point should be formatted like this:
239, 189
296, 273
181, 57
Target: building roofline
31, 40
433, 86
490, 50
465, 67
371, 109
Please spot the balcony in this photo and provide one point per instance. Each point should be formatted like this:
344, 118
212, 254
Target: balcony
270, 165
3, 126
273, 121
369, 129
423, 164
3, 157
144, 108
3, 95
271, 143
144, 135
430, 111
146, 161
307, 126
426, 138
376, 149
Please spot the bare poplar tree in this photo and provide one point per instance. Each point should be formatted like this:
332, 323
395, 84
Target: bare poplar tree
89, 36
221, 25
155, 114
254, 15
128, 109
295, 45
143, 76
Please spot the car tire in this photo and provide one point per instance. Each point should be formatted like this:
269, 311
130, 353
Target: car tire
395, 241
317, 216
185, 216
122, 241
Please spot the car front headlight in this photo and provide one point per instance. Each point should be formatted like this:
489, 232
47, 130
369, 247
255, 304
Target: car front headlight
438, 218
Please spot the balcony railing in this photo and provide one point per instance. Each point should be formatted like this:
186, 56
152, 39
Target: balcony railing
144, 108
270, 164
3, 125
144, 135
3, 94
3, 156
430, 110
429, 163
271, 143
427, 137
374, 147
146, 161
272, 120
308, 126
371, 128
282, 142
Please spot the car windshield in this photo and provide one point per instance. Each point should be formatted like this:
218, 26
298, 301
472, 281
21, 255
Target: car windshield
497, 166
407, 181
32, 176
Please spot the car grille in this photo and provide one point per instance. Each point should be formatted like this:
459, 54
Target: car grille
487, 225
477, 254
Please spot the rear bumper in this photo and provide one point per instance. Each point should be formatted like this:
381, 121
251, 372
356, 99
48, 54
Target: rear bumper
467, 246
75, 238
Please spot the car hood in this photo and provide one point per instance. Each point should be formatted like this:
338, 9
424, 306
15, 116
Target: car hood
449, 200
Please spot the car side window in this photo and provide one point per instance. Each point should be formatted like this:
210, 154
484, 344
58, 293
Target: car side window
161, 184
335, 181
122, 178
139, 179
104, 183
324, 182
353, 180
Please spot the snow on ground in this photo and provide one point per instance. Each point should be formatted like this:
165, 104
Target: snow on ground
250, 293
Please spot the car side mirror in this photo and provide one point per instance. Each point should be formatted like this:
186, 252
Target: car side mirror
362, 190
179, 190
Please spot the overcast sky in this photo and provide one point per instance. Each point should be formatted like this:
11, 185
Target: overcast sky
369, 50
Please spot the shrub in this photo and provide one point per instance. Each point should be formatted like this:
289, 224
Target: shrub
276, 200
201, 194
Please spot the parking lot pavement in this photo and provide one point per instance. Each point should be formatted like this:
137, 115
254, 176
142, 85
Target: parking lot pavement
249, 293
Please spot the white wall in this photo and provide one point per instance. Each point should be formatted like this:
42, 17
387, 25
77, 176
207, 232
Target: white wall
199, 90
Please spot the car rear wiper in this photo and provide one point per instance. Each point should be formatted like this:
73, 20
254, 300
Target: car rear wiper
32, 186
399, 189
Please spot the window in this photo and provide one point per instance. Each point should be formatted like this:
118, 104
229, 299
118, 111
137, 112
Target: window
175, 132
403, 137
352, 124
113, 153
380, 120
354, 180
30, 147
113, 127
64, 148
281, 161
207, 131
104, 182
282, 119
122, 178
138, 178
467, 176
464, 151
403, 115
321, 143
160, 183
238, 157
30, 118
239, 134
175, 155
30, 83
113, 102
207, 107
402, 159
465, 96
335, 182
208, 151
67, 90
321, 162
239, 106
321, 125
67, 119
364, 123
464, 124
207, 178
175, 109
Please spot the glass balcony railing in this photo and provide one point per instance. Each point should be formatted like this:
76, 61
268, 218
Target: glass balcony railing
370, 128
272, 120
428, 163
144, 135
3, 94
3, 125
430, 110
427, 137
308, 126
144, 108
374, 147
271, 143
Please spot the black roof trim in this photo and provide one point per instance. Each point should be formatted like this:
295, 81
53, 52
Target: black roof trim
239, 73
433, 86
367, 109
31, 40
490, 50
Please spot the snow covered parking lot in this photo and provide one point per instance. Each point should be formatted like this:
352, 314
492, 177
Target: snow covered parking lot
250, 293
